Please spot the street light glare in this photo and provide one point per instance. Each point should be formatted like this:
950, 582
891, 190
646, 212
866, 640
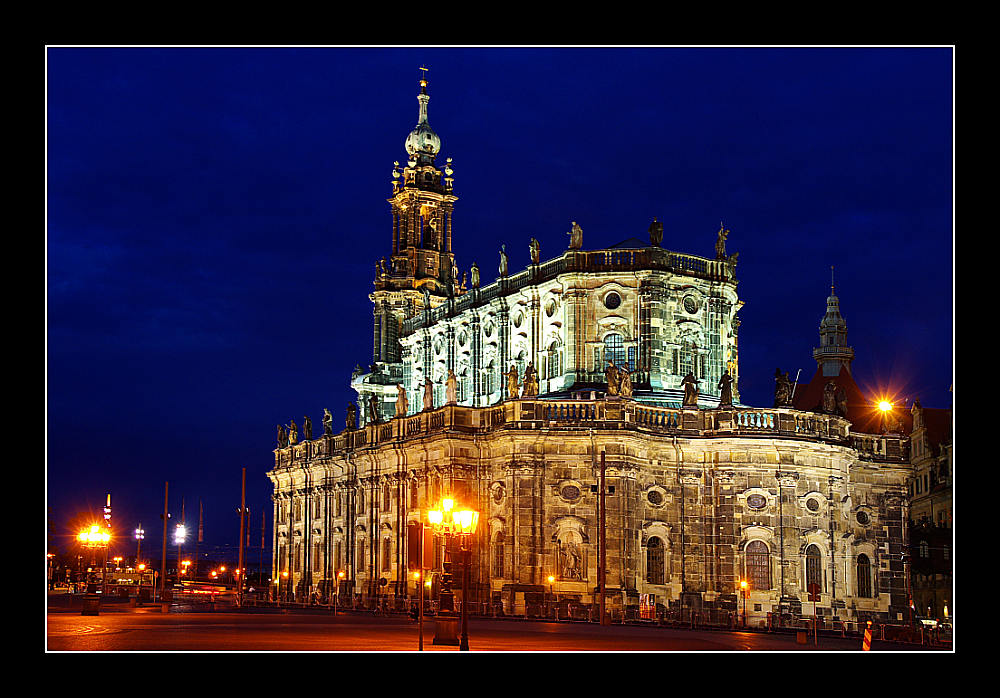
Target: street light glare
885, 406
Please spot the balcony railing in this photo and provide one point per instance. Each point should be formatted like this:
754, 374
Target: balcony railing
605, 414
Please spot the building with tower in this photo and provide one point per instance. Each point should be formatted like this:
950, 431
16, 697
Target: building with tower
510, 395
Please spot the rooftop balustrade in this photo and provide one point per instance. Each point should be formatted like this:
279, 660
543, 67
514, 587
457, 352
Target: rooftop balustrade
604, 414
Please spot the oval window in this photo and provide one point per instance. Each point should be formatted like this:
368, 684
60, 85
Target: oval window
612, 301
756, 501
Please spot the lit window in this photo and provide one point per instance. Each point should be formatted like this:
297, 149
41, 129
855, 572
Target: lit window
654, 560
758, 565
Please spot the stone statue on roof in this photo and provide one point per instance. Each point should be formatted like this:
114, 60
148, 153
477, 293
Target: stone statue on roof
726, 390
352, 416
655, 233
512, 382
475, 275
624, 382
282, 437
503, 261
690, 384
530, 388
307, 428
327, 422
782, 389
402, 403
720, 242
534, 249
830, 397
575, 237
611, 377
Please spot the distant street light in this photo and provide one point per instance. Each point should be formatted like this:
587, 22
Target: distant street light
743, 593
97, 536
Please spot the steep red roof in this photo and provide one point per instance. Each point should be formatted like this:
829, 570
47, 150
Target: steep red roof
938, 424
861, 411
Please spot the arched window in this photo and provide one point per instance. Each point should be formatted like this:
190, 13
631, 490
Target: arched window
814, 567
864, 576
654, 560
555, 360
758, 565
925, 550
386, 555
614, 349
386, 497
488, 379
361, 556
414, 500
498, 555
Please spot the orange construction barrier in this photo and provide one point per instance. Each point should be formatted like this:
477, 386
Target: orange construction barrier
867, 645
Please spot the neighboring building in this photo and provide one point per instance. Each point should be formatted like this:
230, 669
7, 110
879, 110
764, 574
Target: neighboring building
931, 538
703, 494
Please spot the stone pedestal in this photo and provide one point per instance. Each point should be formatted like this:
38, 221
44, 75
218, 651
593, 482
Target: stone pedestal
446, 631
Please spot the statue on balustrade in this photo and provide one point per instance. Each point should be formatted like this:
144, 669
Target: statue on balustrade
428, 395
655, 232
782, 389
830, 397
726, 390
534, 249
475, 275
352, 416
624, 382
374, 409
503, 261
282, 437
451, 388
512, 383
402, 403
611, 377
575, 237
720, 242
307, 427
841, 402
530, 381
327, 422
690, 384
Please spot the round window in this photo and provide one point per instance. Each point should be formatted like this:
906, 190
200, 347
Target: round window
550, 307
488, 329
756, 501
498, 494
518, 318
612, 301
690, 305
812, 504
438, 346
462, 338
863, 518
654, 497
570, 492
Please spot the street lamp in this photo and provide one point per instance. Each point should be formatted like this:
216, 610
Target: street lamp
139, 536
551, 598
180, 534
97, 536
447, 521
743, 593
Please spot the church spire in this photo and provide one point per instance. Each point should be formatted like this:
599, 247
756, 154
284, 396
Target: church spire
833, 351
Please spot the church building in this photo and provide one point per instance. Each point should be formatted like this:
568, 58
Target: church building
512, 396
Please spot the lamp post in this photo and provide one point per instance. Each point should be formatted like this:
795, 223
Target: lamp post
139, 535
743, 593
180, 533
97, 536
551, 598
447, 521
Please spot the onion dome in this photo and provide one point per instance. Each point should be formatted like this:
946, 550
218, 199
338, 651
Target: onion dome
422, 144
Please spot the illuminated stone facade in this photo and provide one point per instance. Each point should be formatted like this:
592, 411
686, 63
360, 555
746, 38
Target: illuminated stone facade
703, 495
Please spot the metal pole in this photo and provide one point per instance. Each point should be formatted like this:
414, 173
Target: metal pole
239, 568
163, 565
464, 644
602, 571
420, 617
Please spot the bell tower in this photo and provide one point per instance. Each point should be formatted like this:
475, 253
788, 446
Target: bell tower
833, 352
420, 271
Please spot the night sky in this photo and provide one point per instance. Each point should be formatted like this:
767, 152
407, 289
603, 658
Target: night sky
214, 216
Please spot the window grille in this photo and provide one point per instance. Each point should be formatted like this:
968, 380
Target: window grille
864, 577
614, 349
654, 561
758, 565
814, 567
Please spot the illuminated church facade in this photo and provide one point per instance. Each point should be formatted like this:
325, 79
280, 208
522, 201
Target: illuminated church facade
507, 396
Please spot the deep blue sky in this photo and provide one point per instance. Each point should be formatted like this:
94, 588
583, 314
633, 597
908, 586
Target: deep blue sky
214, 216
